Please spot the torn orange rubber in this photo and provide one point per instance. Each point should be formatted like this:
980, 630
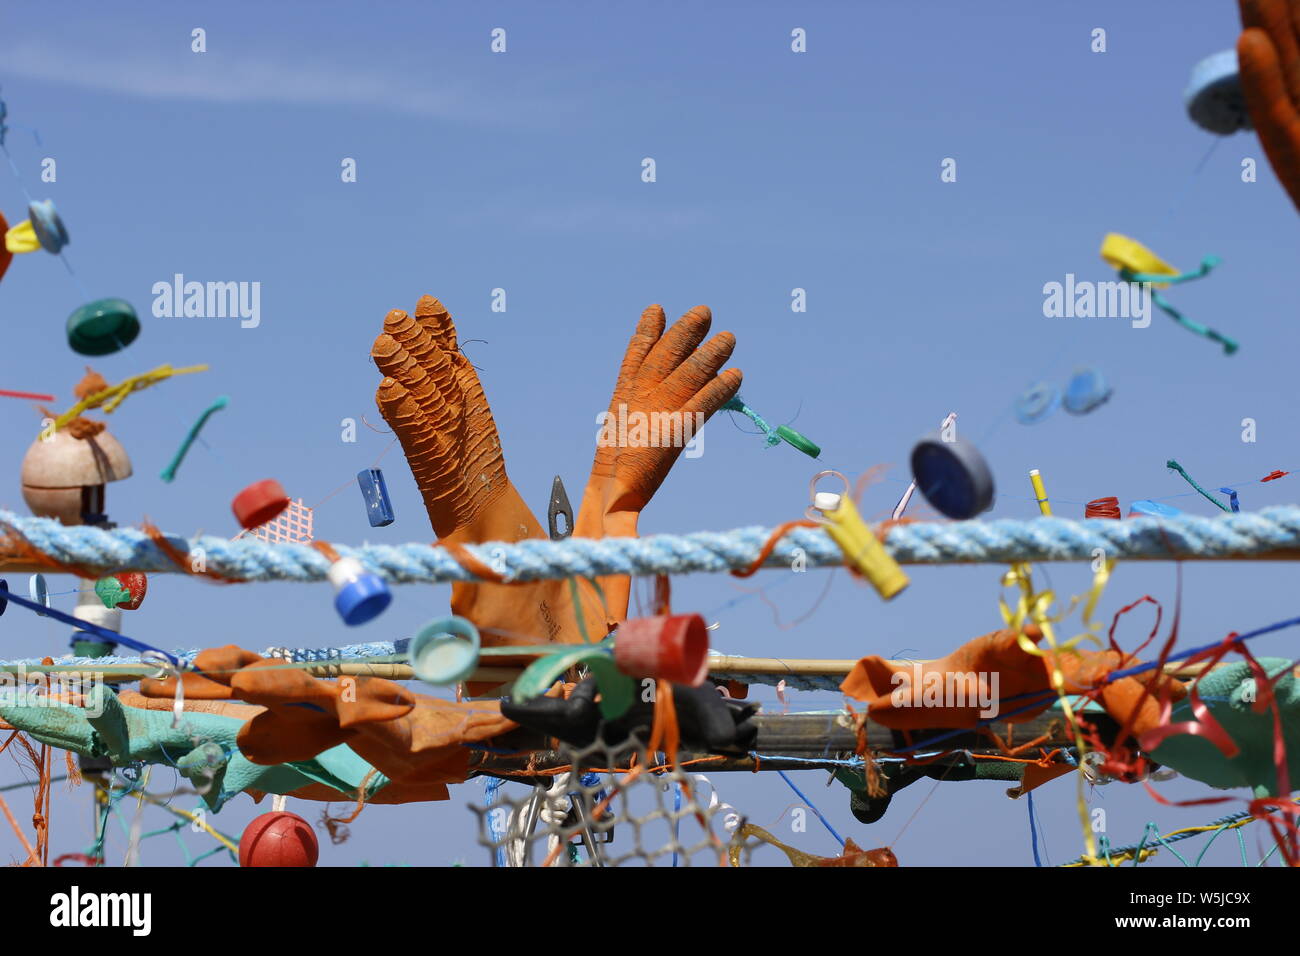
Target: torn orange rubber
946, 693
414, 740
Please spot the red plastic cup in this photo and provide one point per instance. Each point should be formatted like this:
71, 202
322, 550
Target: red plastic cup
259, 503
674, 648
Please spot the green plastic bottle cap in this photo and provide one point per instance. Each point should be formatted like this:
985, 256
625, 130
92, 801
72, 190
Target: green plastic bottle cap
798, 441
103, 327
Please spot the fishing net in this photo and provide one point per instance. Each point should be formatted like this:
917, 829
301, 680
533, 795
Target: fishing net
606, 806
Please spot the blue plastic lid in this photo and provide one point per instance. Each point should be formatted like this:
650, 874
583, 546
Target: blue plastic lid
1036, 403
1086, 390
1213, 95
953, 476
445, 651
1152, 509
362, 599
49, 228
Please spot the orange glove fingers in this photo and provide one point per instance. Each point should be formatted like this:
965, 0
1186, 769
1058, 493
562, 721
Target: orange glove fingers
404, 352
720, 390
434, 459
694, 373
1271, 109
649, 330
436, 321
1280, 19
674, 347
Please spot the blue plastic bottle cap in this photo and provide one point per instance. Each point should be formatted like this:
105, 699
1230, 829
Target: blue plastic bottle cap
1086, 390
1036, 403
1213, 95
38, 591
953, 476
1152, 509
49, 228
362, 599
445, 651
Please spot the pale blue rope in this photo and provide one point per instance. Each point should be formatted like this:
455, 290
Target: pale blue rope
1039, 539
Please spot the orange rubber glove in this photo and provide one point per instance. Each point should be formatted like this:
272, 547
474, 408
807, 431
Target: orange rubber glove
1021, 676
414, 740
662, 373
431, 397
1268, 62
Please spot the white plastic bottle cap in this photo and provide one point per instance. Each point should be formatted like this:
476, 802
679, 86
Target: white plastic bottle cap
826, 501
345, 570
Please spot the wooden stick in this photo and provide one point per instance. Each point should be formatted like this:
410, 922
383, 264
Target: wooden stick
720, 666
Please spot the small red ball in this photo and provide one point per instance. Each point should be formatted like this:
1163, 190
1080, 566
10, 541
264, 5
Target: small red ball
278, 839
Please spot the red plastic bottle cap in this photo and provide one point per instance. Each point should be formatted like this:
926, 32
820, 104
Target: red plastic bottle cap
673, 648
1102, 508
278, 839
259, 503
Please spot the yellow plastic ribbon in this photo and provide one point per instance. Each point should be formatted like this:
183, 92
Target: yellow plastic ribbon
1033, 606
22, 238
113, 396
1121, 252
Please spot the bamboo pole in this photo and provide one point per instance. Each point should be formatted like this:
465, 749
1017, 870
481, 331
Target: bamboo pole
720, 666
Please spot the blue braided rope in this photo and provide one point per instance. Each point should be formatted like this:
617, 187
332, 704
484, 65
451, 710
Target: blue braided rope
1251, 534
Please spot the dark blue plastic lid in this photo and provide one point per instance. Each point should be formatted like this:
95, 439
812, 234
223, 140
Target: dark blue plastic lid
4, 595
953, 476
1087, 390
1214, 98
363, 599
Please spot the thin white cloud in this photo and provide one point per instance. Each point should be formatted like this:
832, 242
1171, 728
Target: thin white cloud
284, 79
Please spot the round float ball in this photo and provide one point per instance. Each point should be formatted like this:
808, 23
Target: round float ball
259, 503
278, 839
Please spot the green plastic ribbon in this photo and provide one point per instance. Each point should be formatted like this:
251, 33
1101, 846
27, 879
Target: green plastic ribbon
617, 690
1207, 264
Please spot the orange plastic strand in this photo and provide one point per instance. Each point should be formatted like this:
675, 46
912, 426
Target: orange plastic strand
472, 564
779, 532
327, 549
665, 735
177, 557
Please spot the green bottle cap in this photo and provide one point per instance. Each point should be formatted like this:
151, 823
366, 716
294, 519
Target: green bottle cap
103, 327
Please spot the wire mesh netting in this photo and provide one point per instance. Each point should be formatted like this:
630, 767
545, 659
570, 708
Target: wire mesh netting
613, 806
293, 525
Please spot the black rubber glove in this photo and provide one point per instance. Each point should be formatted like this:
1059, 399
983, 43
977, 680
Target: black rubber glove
706, 719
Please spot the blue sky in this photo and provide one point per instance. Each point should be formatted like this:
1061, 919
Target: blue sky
775, 171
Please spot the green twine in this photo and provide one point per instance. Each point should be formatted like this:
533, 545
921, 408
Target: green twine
169, 472
1209, 262
1182, 471
774, 436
